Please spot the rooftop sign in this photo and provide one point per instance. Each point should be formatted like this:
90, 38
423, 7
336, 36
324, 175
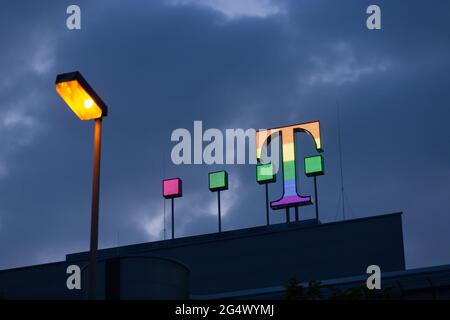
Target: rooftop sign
290, 197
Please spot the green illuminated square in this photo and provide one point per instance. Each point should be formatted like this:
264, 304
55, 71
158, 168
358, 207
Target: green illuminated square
218, 180
314, 166
265, 173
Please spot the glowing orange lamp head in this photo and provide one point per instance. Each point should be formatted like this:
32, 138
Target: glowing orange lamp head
80, 97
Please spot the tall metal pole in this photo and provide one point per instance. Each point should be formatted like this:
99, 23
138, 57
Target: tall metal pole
340, 159
218, 203
173, 219
316, 198
94, 212
267, 203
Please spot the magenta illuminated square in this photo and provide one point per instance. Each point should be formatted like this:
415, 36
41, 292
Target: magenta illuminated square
172, 188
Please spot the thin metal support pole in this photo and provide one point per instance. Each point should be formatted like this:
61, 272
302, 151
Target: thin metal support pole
218, 204
267, 204
316, 198
173, 217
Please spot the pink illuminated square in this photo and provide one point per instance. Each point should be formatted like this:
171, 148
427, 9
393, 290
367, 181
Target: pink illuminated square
172, 188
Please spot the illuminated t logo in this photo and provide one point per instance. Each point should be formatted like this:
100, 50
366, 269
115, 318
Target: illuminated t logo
290, 196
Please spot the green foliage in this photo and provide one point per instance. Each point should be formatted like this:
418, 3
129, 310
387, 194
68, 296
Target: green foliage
294, 291
360, 293
316, 291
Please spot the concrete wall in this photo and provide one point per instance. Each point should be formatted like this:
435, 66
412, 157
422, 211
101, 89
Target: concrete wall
146, 278
267, 256
46, 281
231, 261
122, 278
430, 283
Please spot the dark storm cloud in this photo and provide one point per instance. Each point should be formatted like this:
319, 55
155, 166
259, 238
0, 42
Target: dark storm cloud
161, 65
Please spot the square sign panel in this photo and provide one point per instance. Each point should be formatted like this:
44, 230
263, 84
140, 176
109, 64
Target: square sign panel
314, 166
218, 181
265, 173
172, 188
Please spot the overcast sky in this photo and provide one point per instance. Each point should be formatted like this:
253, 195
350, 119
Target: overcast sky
160, 65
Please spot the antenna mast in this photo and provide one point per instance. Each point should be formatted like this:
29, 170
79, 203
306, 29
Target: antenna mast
340, 158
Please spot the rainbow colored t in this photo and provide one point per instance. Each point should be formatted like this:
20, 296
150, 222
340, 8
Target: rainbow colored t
290, 196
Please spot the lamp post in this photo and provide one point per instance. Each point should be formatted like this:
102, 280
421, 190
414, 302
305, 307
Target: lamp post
87, 105
265, 175
218, 181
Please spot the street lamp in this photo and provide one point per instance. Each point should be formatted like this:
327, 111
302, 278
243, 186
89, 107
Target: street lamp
87, 105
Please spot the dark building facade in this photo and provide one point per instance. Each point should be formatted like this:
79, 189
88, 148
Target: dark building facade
247, 263
268, 256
